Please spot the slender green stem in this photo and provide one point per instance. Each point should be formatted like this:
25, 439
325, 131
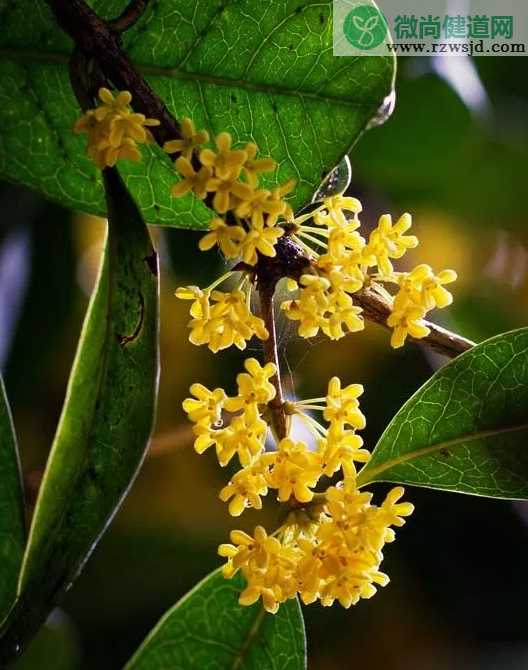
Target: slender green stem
312, 239
316, 231
317, 408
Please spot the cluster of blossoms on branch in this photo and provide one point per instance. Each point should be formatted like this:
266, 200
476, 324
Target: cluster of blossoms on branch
251, 220
339, 260
114, 130
329, 543
329, 546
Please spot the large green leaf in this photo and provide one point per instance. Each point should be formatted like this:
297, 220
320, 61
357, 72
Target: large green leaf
262, 70
466, 429
12, 529
209, 630
106, 420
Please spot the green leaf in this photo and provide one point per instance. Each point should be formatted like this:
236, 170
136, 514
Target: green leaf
466, 429
106, 419
209, 630
262, 70
12, 527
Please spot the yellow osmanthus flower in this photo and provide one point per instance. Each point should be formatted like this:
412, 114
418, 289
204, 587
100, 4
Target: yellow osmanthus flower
260, 205
340, 262
340, 450
266, 565
310, 307
278, 194
325, 299
254, 552
220, 318
333, 212
295, 471
388, 241
228, 192
254, 166
246, 488
245, 432
114, 131
325, 303
253, 386
229, 238
419, 291
191, 139
112, 104
226, 163
345, 246
342, 405
193, 180
422, 287
244, 436
200, 299
392, 511
407, 320
206, 405
262, 240
338, 445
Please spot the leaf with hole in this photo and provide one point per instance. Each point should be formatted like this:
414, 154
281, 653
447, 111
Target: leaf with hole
466, 429
209, 630
106, 419
263, 71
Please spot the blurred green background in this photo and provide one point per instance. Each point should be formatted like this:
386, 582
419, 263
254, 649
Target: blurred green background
454, 154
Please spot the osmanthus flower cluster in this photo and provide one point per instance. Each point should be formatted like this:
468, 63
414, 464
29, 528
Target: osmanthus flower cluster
114, 131
330, 545
339, 261
248, 225
250, 220
343, 262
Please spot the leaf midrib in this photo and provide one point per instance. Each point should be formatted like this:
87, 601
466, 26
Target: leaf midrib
253, 632
367, 475
57, 57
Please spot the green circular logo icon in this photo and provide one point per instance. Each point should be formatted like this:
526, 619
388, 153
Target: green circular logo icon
365, 27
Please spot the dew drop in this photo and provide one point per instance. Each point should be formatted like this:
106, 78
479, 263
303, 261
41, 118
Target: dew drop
337, 181
384, 110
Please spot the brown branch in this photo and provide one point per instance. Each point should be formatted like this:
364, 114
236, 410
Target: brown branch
165, 443
377, 308
129, 16
269, 346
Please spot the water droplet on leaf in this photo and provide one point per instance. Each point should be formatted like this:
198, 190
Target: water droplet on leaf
384, 111
337, 181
